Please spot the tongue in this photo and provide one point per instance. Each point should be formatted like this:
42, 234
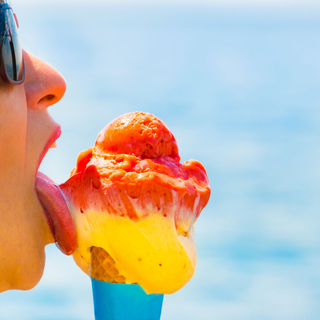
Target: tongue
57, 213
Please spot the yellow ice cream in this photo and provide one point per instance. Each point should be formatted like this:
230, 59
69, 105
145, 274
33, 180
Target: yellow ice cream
150, 246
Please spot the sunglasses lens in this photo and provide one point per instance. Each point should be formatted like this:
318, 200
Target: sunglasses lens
11, 49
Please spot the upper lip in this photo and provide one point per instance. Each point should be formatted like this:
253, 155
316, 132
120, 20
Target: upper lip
55, 135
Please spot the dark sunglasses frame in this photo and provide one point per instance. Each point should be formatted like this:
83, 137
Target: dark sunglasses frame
3, 71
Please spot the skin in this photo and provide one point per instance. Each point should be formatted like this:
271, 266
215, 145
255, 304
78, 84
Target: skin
25, 128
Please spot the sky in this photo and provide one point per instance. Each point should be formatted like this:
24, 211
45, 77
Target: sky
240, 91
255, 3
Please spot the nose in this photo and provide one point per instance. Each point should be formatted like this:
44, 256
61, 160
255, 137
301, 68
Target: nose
44, 85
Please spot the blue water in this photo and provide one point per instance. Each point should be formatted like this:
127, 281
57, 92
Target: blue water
239, 88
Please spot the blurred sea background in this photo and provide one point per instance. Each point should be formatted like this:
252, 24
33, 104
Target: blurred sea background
238, 85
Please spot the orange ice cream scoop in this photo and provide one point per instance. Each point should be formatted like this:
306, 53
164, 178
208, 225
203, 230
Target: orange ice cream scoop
140, 134
131, 196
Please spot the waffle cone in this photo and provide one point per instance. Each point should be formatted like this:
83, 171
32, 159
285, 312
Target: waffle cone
103, 267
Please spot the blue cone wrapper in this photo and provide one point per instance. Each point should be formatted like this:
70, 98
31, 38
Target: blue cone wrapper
113, 301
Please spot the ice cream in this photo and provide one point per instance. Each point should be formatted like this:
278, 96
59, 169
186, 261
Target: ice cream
134, 205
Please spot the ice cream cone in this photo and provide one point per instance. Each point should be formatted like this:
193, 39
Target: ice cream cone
103, 267
114, 301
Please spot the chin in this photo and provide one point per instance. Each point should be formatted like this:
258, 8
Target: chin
25, 278
27, 268
29, 275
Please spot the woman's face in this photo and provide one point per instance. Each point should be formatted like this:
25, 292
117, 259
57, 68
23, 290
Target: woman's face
26, 133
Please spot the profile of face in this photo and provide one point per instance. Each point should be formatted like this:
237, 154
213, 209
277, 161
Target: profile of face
26, 133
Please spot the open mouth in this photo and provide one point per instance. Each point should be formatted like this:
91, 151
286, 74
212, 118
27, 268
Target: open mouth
51, 142
54, 205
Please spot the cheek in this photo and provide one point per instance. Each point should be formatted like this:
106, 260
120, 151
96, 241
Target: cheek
13, 126
21, 248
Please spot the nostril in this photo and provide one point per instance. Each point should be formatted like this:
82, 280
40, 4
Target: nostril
47, 98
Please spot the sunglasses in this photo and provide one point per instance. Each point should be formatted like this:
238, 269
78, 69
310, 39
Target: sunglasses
11, 57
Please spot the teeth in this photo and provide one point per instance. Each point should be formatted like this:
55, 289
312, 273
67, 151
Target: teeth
54, 145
